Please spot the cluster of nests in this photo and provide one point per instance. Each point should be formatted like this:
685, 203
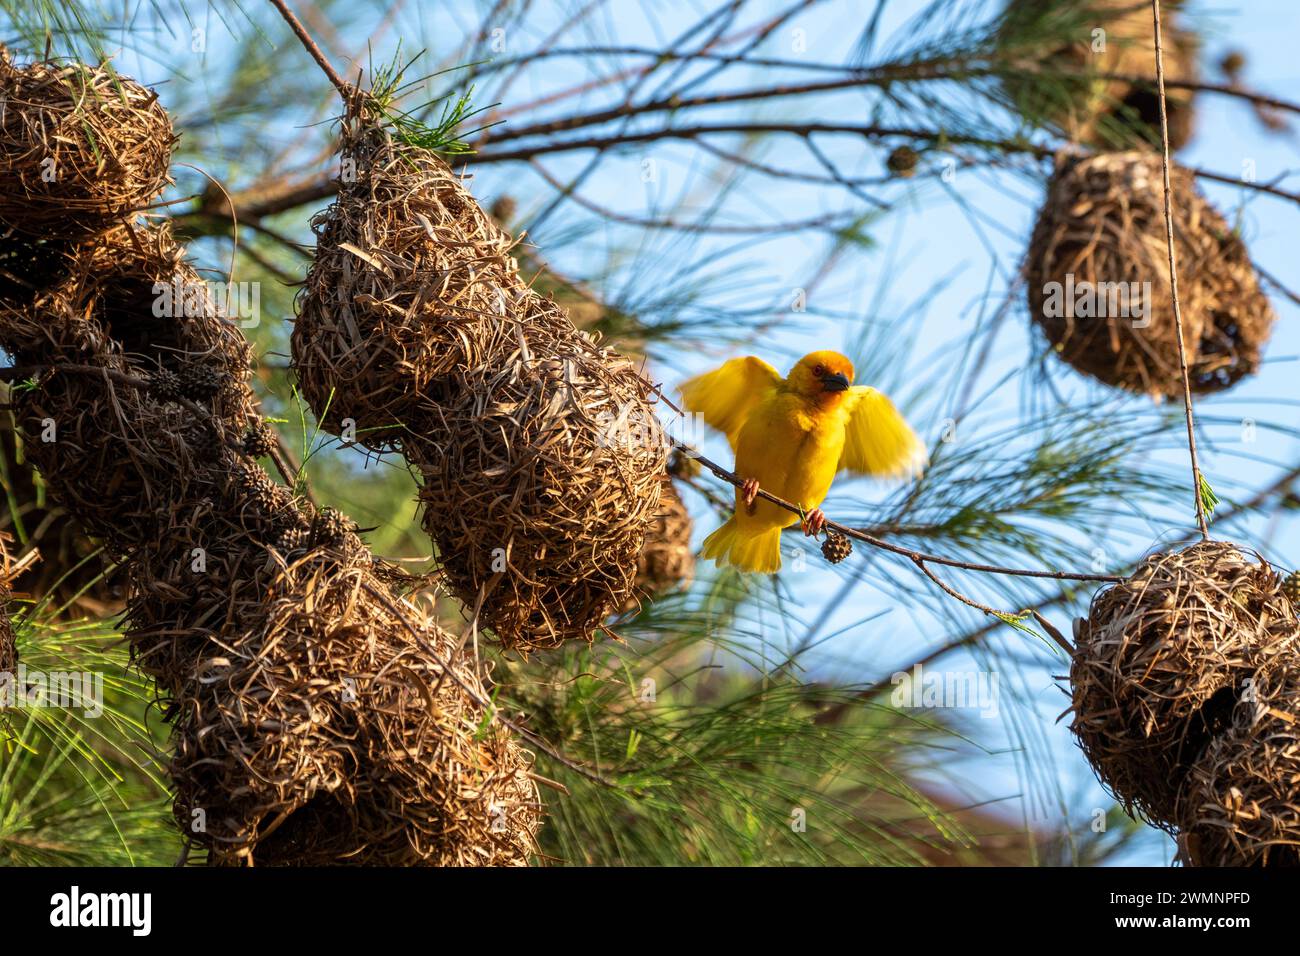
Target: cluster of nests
318, 716
1097, 269
1186, 701
541, 457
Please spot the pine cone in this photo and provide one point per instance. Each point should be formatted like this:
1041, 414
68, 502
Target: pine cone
1291, 587
902, 161
165, 385
260, 440
331, 526
293, 539
200, 381
836, 547
253, 486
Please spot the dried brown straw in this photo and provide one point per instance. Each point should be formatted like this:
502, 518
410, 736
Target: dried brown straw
540, 451
1241, 806
81, 148
8, 644
1161, 659
309, 726
1102, 228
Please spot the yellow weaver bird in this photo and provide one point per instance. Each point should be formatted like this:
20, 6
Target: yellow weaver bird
791, 436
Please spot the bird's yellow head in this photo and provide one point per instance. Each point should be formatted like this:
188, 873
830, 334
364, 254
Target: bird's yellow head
822, 375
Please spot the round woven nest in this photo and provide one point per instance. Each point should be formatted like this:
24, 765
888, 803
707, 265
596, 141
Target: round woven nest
407, 269
540, 453
1097, 275
117, 458
322, 731
1241, 806
81, 148
1161, 661
543, 481
1094, 102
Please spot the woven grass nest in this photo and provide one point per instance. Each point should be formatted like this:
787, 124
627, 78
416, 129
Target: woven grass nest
1101, 233
318, 717
407, 270
542, 483
667, 562
1162, 660
1241, 806
81, 148
1095, 106
120, 458
320, 730
540, 452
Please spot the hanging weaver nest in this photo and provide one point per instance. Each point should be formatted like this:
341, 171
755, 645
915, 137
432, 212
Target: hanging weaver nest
376, 753
407, 268
317, 717
81, 148
1097, 274
1082, 87
114, 459
541, 480
1161, 659
667, 561
1241, 806
540, 452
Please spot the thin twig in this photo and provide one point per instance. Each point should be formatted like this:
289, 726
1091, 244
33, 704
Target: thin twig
1173, 278
301, 32
866, 537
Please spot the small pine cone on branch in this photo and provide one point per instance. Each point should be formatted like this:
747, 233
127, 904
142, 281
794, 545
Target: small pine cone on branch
902, 162
293, 539
165, 385
1291, 587
253, 486
331, 526
260, 440
836, 547
199, 381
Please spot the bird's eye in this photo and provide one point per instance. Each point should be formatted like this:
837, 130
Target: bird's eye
819, 370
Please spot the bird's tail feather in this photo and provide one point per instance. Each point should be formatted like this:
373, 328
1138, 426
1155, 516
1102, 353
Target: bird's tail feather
758, 552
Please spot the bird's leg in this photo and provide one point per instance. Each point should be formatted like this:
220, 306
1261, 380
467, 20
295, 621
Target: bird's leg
813, 522
749, 494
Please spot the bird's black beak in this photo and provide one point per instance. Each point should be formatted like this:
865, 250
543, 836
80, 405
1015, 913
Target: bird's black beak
838, 382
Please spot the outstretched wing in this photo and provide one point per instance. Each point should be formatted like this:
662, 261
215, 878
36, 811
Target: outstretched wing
727, 395
878, 441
